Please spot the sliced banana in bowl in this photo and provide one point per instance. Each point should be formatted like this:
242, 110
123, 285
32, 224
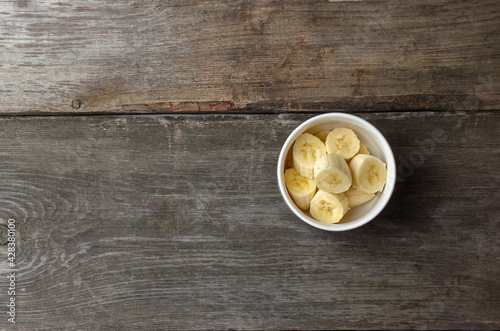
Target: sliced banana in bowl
369, 173
332, 174
301, 188
329, 208
342, 142
307, 149
349, 163
357, 197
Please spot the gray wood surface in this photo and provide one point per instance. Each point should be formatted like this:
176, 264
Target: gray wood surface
176, 222
143, 222
126, 56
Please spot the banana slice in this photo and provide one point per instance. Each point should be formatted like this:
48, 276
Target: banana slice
327, 207
369, 173
307, 149
322, 135
301, 189
357, 197
342, 142
363, 149
332, 174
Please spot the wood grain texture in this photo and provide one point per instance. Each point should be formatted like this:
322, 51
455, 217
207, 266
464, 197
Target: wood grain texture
176, 222
127, 56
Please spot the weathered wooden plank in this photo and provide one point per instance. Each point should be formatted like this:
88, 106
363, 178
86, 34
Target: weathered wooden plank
165, 56
176, 222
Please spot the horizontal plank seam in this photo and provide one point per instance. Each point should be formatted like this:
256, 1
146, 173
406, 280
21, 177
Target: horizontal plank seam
191, 114
235, 112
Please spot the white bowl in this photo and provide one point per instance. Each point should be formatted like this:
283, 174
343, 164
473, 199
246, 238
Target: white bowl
377, 145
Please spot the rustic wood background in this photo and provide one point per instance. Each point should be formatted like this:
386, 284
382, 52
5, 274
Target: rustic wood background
102, 56
138, 151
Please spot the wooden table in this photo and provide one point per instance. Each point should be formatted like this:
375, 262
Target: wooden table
139, 142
